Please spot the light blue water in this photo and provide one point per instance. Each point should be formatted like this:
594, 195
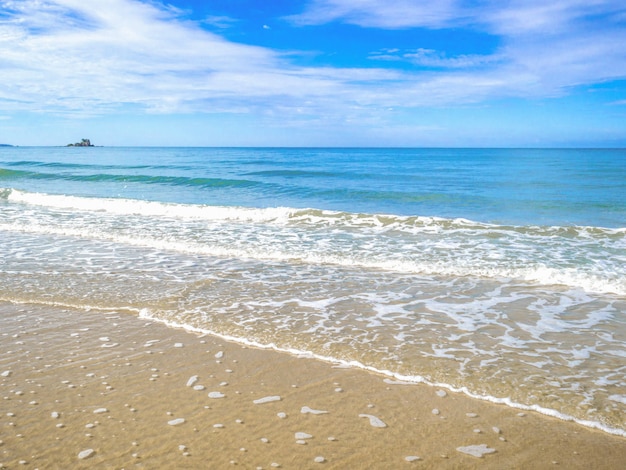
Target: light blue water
498, 272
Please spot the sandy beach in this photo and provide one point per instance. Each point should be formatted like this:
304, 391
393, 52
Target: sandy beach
93, 389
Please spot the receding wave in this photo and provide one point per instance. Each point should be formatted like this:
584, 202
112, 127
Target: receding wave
404, 379
591, 258
302, 351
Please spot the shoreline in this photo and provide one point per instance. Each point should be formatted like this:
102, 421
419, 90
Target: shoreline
73, 381
394, 378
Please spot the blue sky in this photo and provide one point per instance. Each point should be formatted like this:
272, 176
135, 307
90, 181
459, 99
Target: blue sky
521, 73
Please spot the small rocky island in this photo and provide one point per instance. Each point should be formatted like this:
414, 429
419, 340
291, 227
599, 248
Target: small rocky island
82, 143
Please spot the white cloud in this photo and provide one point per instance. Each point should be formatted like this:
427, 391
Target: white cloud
532, 17
546, 47
379, 14
69, 53
70, 56
221, 22
435, 59
500, 17
78, 57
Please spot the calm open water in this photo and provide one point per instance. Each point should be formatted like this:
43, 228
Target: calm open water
498, 272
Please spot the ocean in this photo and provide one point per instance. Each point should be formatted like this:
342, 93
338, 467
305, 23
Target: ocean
500, 273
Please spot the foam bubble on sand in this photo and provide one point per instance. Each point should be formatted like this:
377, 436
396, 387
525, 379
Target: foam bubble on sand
176, 422
199, 387
55, 414
618, 398
374, 421
397, 382
282, 415
476, 450
441, 393
178, 345
260, 401
85, 454
302, 435
219, 355
306, 409
192, 380
216, 395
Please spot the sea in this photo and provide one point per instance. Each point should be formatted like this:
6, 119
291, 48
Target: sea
499, 273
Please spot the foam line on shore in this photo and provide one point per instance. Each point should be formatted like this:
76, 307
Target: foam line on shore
145, 314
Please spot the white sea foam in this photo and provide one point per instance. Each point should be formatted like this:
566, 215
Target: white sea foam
345, 286
404, 378
122, 206
374, 420
476, 450
269, 399
425, 245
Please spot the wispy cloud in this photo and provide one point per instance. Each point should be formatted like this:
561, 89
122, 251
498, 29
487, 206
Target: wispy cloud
70, 55
221, 22
431, 58
380, 14
546, 47
73, 56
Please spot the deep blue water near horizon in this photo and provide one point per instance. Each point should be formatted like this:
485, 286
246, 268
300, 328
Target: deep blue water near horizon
498, 272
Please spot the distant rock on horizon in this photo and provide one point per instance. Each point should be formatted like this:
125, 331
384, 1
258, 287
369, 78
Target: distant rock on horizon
82, 143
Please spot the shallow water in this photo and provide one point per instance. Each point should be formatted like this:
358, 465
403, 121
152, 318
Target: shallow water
498, 272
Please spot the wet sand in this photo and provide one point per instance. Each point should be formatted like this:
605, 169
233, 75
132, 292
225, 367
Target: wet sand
109, 390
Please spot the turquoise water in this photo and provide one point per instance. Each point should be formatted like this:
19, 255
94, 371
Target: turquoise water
498, 272
508, 186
